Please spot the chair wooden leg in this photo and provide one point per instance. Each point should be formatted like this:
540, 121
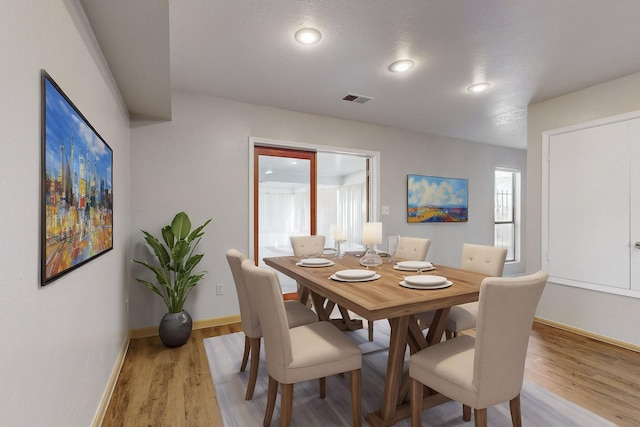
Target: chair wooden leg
466, 413
480, 416
417, 392
254, 345
516, 414
370, 326
356, 398
245, 357
323, 387
271, 401
286, 404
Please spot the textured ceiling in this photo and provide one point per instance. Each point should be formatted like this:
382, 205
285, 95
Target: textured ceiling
244, 50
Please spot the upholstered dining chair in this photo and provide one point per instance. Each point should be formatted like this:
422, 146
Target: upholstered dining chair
296, 314
308, 245
483, 259
412, 248
486, 370
303, 353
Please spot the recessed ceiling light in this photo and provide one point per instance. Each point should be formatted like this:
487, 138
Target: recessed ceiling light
401, 66
308, 36
478, 87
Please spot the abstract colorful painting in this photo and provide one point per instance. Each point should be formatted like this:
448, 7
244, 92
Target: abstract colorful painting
436, 199
77, 187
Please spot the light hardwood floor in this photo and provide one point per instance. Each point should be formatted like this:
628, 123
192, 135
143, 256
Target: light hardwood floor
165, 387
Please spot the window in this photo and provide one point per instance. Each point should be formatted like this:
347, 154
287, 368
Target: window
506, 230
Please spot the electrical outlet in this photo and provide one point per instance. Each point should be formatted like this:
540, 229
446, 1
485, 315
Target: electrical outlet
219, 289
385, 210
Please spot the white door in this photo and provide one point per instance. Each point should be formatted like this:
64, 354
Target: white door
634, 165
588, 214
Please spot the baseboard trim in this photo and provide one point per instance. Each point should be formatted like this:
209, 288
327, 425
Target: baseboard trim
152, 331
216, 321
111, 385
588, 334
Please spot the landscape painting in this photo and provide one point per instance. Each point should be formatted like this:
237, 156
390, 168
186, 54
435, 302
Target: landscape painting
436, 199
77, 192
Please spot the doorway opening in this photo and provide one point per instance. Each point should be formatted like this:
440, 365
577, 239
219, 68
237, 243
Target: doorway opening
303, 191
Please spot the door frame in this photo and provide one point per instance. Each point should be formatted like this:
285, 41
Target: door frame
311, 156
374, 175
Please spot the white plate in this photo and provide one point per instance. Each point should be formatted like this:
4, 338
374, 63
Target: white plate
414, 264
395, 267
422, 288
366, 279
354, 274
315, 262
425, 281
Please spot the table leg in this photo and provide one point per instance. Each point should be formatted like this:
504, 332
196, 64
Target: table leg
324, 309
436, 329
397, 346
405, 330
318, 303
351, 324
415, 337
303, 294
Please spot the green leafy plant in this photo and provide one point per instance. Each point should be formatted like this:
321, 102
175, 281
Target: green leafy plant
176, 261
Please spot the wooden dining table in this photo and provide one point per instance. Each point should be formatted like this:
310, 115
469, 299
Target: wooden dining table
385, 298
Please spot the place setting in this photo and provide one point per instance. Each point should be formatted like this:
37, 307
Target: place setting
354, 275
413, 266
315, 262
426, 282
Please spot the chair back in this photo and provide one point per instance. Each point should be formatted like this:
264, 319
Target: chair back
483, 259
248, 313
412, 248
266, 295
307, 245
506, 308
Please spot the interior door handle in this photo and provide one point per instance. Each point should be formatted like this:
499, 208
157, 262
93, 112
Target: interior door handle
637, 245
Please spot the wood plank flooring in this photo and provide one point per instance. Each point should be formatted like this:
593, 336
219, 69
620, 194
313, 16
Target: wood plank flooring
165, 387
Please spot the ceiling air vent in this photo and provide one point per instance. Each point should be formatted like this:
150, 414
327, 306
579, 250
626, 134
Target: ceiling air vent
359, 99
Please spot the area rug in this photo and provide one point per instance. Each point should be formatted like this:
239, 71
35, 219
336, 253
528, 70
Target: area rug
540, 408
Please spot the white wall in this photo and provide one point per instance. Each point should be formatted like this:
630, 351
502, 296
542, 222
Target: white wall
609, 315
59, 343
199, 163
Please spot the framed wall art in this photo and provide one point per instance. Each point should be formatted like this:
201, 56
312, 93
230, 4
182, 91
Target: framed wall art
77, 187
436, 199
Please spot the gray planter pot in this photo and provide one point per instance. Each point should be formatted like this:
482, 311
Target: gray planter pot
175, 328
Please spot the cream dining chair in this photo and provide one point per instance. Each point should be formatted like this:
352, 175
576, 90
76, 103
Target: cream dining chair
308, 245
297, 314
412, 248
486, 370
483, 259
303, 353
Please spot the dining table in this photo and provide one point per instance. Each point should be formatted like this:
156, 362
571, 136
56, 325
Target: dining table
384, 298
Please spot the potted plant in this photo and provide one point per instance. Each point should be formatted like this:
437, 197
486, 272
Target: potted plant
174, 275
